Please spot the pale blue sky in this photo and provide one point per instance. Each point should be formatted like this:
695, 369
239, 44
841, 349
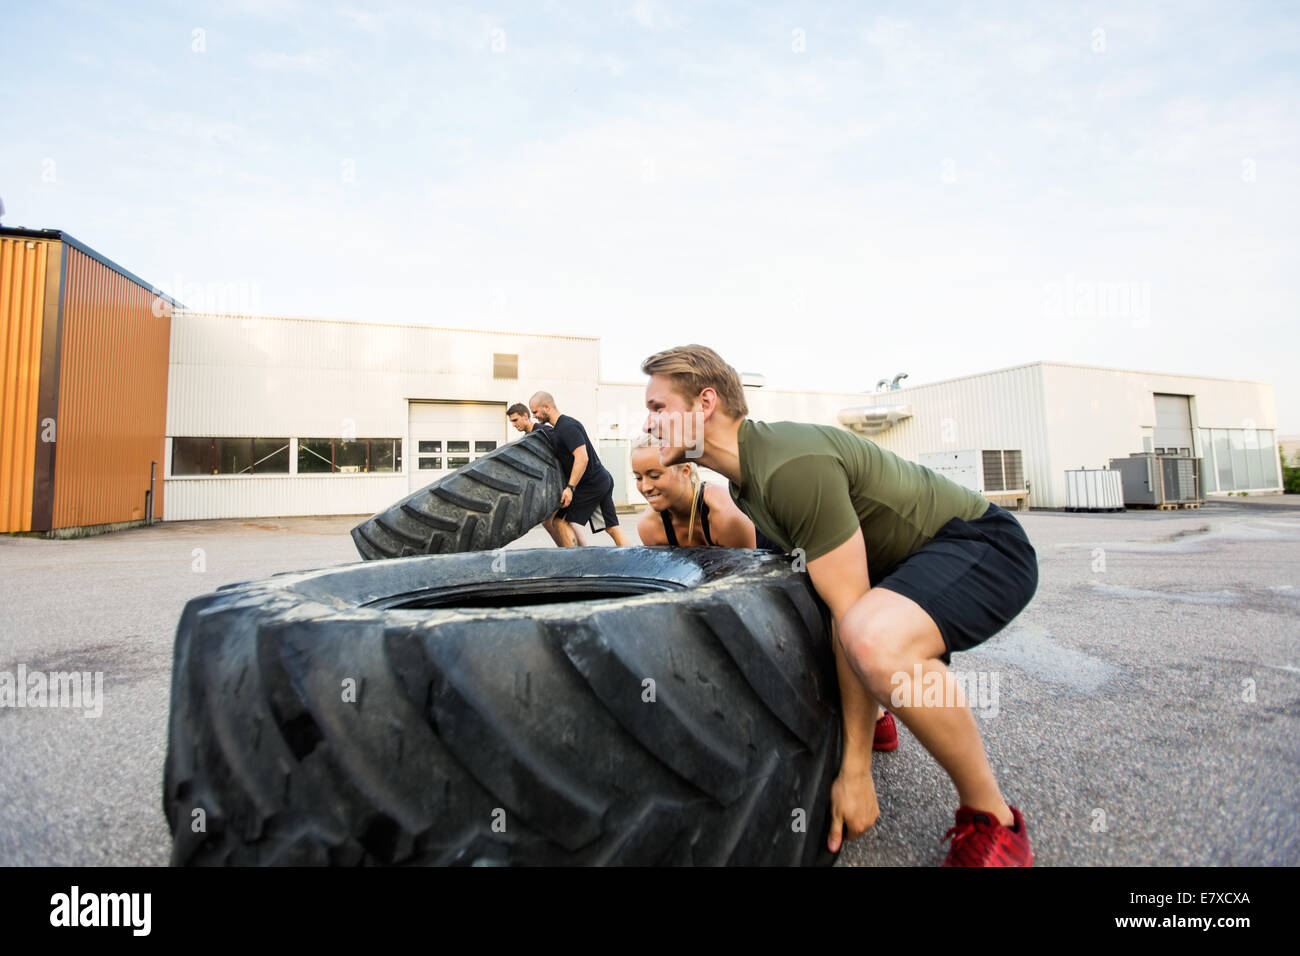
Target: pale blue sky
825, 193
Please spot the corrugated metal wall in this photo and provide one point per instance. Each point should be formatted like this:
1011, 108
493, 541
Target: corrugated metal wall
1059, 416
23, 264
112, 397
1095, 414
274, 496
996, 410
255, 375
258, 376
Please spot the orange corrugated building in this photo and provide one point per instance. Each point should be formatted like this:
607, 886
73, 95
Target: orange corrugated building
83, 398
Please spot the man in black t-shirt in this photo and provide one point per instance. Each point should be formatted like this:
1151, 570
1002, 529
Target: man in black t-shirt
589, 494
521, 418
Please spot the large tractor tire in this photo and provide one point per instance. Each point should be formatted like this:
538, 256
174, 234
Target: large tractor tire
480, 506
561, 706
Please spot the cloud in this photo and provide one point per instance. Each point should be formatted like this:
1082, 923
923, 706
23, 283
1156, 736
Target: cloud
365, 21
309, 61
268, 9
653, 15
188, 128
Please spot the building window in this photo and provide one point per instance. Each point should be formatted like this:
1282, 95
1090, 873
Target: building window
192, 456
270, 456
505, 366
230, 456
335, 456
1209, 475
385, 454
1239, 459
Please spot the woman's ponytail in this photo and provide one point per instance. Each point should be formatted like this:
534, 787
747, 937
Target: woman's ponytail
694, 475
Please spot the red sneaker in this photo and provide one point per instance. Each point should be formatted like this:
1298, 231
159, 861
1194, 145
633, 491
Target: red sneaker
979, 839
886, 733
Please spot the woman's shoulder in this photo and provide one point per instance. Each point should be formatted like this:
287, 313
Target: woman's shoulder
727, 521
650, 528
718, 496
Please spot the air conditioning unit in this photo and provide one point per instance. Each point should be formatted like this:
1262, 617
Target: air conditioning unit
1160, 481
998, 474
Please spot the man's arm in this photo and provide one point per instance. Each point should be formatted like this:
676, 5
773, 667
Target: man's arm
840, 578
810, 498
579, 465
571, 436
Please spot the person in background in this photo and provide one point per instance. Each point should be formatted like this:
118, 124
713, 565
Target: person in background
683, 511
589, 494
521, 418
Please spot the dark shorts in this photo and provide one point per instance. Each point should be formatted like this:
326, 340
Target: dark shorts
593, 505
972, 578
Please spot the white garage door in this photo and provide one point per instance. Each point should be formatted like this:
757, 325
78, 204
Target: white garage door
1173, 431
446, 435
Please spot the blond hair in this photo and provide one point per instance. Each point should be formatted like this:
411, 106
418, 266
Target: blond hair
692, 473
693, 368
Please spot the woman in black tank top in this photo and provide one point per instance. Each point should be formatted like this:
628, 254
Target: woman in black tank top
684, 511
698, 507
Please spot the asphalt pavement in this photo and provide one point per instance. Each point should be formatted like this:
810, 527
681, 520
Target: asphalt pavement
1144, 709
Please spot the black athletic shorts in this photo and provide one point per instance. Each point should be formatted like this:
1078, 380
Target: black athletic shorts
972, 578
587, 498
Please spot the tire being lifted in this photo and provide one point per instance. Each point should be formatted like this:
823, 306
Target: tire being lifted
558, 706
483, 505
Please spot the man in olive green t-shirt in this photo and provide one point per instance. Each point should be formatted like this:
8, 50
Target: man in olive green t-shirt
790, 473
911, 565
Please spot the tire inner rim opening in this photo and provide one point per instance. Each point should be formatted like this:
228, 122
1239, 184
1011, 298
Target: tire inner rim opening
506, 594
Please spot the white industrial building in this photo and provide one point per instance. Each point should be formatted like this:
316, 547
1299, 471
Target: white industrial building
1062, 417
275, 417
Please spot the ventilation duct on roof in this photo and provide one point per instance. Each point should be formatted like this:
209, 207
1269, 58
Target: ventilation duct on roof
873, 419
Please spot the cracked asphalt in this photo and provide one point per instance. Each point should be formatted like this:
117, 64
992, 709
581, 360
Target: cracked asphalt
1147, 706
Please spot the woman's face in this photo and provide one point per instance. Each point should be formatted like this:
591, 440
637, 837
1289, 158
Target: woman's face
657, 483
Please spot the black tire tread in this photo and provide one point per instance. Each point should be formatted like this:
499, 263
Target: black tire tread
536, 716
480, 506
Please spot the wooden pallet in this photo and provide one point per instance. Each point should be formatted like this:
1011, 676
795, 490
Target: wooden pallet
1191, 504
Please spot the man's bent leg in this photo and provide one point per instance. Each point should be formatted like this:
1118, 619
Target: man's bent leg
886, 637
